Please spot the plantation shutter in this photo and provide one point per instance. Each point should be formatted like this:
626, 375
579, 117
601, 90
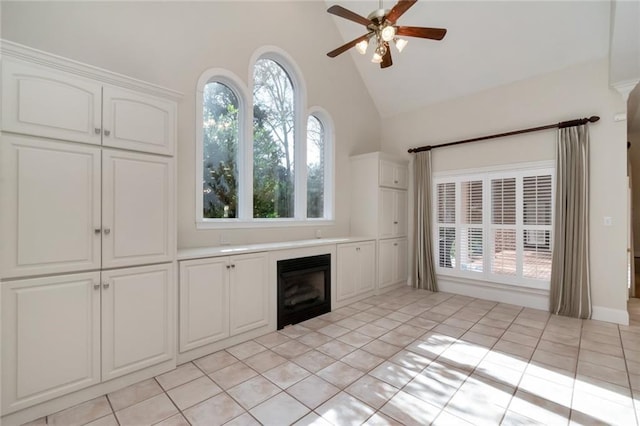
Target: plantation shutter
503, 226
471, 231
537, 214
446, 221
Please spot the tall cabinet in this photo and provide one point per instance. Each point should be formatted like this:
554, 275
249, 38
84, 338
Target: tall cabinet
379, 209
87, 194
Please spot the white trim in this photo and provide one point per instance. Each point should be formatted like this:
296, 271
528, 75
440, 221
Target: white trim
503, 293
261, 223
617, 316
515, 167
50, 60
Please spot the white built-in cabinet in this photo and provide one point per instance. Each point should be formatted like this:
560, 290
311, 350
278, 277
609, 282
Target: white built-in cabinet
221, 297
379, 209
392, 261
355, 269
79, 207
87, 194
51, 102
65, 332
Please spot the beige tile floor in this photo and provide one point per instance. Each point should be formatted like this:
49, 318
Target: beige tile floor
407, 357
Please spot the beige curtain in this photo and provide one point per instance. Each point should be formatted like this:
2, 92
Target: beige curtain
424, 276
570, 289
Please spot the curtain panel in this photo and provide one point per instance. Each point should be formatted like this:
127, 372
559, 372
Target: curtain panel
424, 276
570, 293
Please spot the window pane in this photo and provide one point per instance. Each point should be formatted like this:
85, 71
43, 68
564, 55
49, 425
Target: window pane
471, 249
472, 202
446, 247
503, 201
220, 150
273, 142
315, 168
503, 258
536, 199
537, 254
446, 202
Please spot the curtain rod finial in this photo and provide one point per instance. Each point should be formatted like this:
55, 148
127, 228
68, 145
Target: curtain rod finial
593, 118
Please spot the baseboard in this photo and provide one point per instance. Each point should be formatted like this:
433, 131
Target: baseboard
618, 316
515, 295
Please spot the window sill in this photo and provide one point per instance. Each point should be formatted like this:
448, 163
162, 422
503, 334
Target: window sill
470, 278
261, 223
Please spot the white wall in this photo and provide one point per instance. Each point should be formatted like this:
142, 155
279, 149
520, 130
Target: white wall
575, 92
172, 43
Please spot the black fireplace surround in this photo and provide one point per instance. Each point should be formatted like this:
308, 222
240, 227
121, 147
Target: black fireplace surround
304, 288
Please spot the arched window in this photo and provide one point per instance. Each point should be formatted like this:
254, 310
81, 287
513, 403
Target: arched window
262, 157
220, 134
274, 143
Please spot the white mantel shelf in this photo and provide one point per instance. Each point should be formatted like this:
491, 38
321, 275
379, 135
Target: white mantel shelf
226, 250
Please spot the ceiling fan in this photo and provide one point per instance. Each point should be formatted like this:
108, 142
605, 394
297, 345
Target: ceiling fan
381, 24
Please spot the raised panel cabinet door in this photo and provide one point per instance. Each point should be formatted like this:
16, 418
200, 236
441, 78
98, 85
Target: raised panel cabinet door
43, 102
138, 121
50, 203
402, 260
401, 215
386, 261
204, 302
387, 211
50, 338
138, 225
347, 271
366, 262
401, 174
249, 296
386, 174
137, 318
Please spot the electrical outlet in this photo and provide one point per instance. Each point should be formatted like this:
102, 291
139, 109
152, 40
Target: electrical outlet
318, 233
608, 221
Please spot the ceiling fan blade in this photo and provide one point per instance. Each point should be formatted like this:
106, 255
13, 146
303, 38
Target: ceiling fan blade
348, 46
399, 9
386, 58
432, 33
347, 14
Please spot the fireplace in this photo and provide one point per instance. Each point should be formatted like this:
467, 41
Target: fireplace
304, 288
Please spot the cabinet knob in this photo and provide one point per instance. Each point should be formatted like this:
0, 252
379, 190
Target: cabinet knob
97, 130
106, 231
228, 266
395, 222
233, 266
107, 132
97, 231
395, 181
96, 285
105, 285
395, 244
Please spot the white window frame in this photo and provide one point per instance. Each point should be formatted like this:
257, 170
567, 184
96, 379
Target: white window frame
244, 94
486, 174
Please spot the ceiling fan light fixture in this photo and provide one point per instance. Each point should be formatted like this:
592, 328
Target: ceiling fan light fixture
362, 47
377, 57
388, 33
400, 43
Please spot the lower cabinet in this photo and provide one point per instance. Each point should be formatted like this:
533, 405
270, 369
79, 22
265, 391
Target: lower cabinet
222, 297
356, 269
392, 262
64, 333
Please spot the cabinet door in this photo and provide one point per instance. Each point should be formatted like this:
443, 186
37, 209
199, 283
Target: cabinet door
386, 260
392, 262
137, 209
402, 260
401, 214
388, 211
249, 298
347, 271
393, 175
204, 302
43, 102
137, 318
366, 261
50, 207
138, 121
50, 338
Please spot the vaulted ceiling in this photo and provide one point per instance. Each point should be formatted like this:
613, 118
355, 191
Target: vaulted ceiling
488, 44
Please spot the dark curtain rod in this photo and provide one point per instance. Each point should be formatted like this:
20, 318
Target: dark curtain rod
560, 125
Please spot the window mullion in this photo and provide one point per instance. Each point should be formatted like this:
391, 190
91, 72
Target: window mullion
519, 226
458, 224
